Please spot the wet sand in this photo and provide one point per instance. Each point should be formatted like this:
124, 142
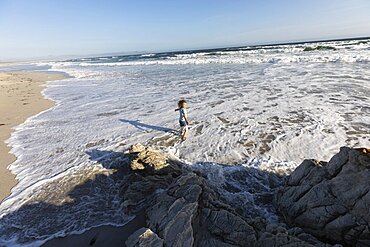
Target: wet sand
101, 236
20, 98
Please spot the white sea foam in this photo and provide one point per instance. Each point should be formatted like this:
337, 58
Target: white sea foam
148, 55
251, 57
266, 109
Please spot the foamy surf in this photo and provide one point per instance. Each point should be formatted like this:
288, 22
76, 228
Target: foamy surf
267, 109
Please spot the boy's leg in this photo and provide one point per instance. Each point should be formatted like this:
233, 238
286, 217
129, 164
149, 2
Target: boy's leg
185, 133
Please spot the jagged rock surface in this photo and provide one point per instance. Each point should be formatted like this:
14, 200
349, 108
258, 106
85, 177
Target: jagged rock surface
144, 237
330, 200
183, 209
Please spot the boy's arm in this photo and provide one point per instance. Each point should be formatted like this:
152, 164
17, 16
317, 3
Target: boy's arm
186, 119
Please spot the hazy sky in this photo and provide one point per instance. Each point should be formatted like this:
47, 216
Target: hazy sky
37, 28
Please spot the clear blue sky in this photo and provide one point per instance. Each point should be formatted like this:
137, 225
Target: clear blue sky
37, 28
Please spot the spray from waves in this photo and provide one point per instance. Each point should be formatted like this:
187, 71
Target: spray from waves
232, 59
148, 55
248, 187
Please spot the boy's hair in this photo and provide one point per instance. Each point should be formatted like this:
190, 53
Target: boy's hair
181, 103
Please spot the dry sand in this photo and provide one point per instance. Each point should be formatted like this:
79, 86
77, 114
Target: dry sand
20, 98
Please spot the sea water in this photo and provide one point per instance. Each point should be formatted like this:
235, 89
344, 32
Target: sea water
266, 108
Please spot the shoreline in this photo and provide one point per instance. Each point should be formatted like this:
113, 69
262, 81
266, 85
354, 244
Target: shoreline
105, 235
20, 98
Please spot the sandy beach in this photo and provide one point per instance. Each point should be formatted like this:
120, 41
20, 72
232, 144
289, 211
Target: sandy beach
20, 98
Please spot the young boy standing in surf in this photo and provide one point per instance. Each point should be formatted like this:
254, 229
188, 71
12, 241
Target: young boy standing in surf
183, 119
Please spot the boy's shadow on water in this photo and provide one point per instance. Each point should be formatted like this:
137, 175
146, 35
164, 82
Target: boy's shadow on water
144, 127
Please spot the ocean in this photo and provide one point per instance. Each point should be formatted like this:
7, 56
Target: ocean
266, 107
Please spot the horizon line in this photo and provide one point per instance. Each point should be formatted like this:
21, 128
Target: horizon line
122, 53
226, 47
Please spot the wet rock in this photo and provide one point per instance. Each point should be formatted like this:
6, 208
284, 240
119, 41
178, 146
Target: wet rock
330, 200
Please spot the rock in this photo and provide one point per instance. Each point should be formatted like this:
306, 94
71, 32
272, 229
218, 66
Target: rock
330, 200
337, 161
281, 239
229, 227
144, 237
149, 160
152, 162
364, 159
279, 235
137, 148
183, 208
172, 219
138, 189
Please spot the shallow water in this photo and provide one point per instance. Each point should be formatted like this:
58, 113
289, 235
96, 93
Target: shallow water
266, 108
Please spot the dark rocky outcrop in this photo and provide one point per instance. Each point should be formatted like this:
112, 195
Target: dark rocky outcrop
330, 200
144, 237
182, 208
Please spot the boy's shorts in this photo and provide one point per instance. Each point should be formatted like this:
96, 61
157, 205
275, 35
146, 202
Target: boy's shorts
183, 127
182, 124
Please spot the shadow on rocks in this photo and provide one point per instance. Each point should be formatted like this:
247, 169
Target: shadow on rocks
175, 205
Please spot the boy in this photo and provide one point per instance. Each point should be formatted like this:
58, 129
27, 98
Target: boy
183, 119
